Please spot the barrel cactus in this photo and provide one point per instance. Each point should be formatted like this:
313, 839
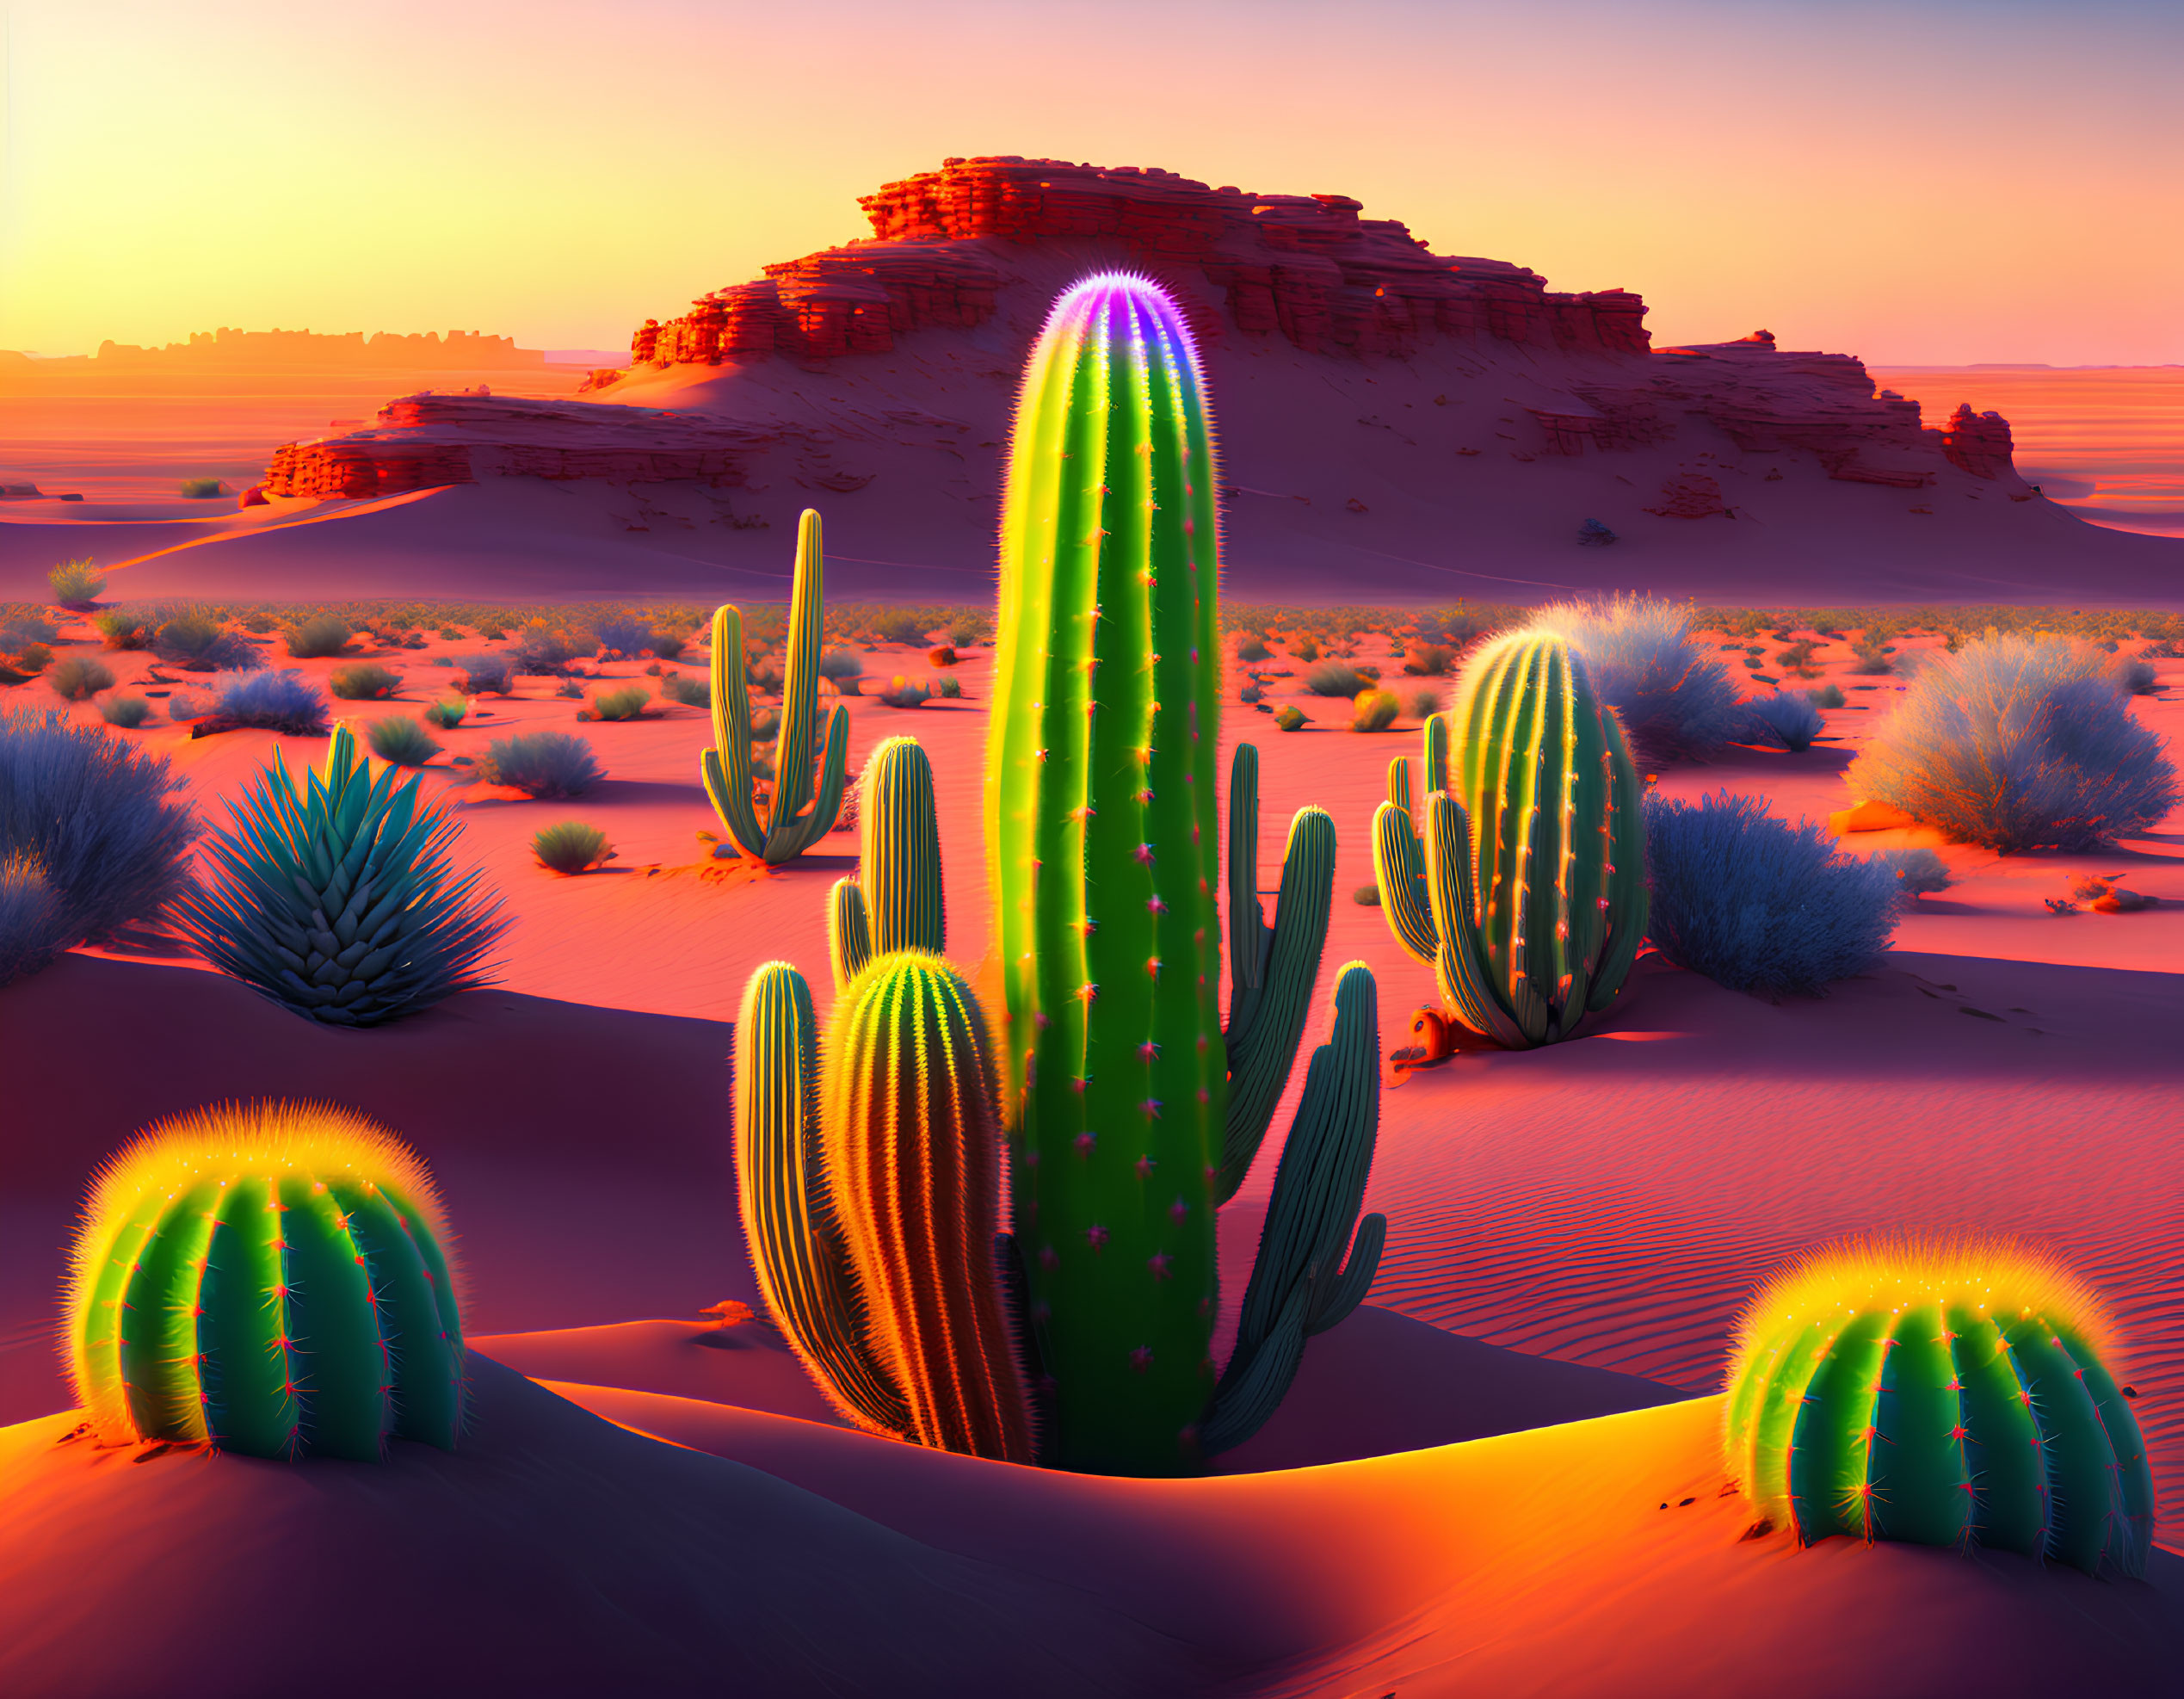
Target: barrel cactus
1950, 1393
1528, 892
340, 904
807, 777
274, 1279
1132, 1113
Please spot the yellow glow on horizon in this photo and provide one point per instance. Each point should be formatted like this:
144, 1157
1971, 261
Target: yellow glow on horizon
1924, 183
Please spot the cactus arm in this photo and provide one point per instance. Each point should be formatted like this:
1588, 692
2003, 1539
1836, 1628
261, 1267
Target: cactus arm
1337, 1299
796, 759
786, 839
849, 931
1259, 1061
1400, 870
725, 767
1399, 784
900, 865
1249, 935
1298, 1281
1435, 735
806, 1274
1460, 963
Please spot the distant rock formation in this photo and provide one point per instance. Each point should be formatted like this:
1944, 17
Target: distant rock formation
1305, 266
229, 349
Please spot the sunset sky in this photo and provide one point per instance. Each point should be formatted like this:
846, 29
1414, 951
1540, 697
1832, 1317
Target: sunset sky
1922, 181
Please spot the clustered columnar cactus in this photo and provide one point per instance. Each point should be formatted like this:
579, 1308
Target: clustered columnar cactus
894, 901
272, 1279
870, 1190
1527, 895
807, 780
1949, 1394
340, 905
1132, 1113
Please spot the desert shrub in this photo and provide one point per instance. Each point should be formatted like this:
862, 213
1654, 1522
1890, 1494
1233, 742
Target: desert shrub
182, 708
118, 631
34, 925
570, 688
1424, 704
482, 673
29, 661
285, 700
1373, 711
198, 643
126, 711
899, 625
541, 764
78, 678
967, 628
627, 635
2104, 892
571, 847
686, 687
1827, 697
946, 686
1289, 717
401, 740
1333, 678
365, 682
669, 644
1250, 693
77, 583
1874, 653
319, 636
100, 817
199, 489
1367, 896
451, 633
1252, 646
1787, 717
905, 692
1919, 872
261, 622
765, 725
2019, 742
626, 703
1797, 658
944, 656
1758, 905
2135, 677
539, 648
446, 714
841, 666
1672, 697
1304, 647
1427, 660
22, 629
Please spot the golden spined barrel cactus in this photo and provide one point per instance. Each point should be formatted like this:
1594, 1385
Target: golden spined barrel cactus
275, 1279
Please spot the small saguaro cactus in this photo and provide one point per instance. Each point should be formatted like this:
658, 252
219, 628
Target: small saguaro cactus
275, 1279
807, 778
894, 901
1943, 1394
870, 1190
1132, 1113
1527, 896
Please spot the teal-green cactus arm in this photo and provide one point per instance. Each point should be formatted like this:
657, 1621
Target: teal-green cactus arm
1399, 783
1399, 871
796, 759
1260, 1057
1249, 933
726, 767
731, 799
1298, 1282
819, 817
849, 931
1435, 734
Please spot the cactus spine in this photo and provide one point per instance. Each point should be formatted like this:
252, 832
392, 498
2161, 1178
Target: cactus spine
1527, 895
1952, 1395
1132, 1113
895, 900
913, 1164
272, 1279
798, 815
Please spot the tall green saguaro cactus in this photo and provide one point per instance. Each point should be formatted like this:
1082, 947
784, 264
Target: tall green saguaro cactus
1527, 896
1132, 1114
807, 777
